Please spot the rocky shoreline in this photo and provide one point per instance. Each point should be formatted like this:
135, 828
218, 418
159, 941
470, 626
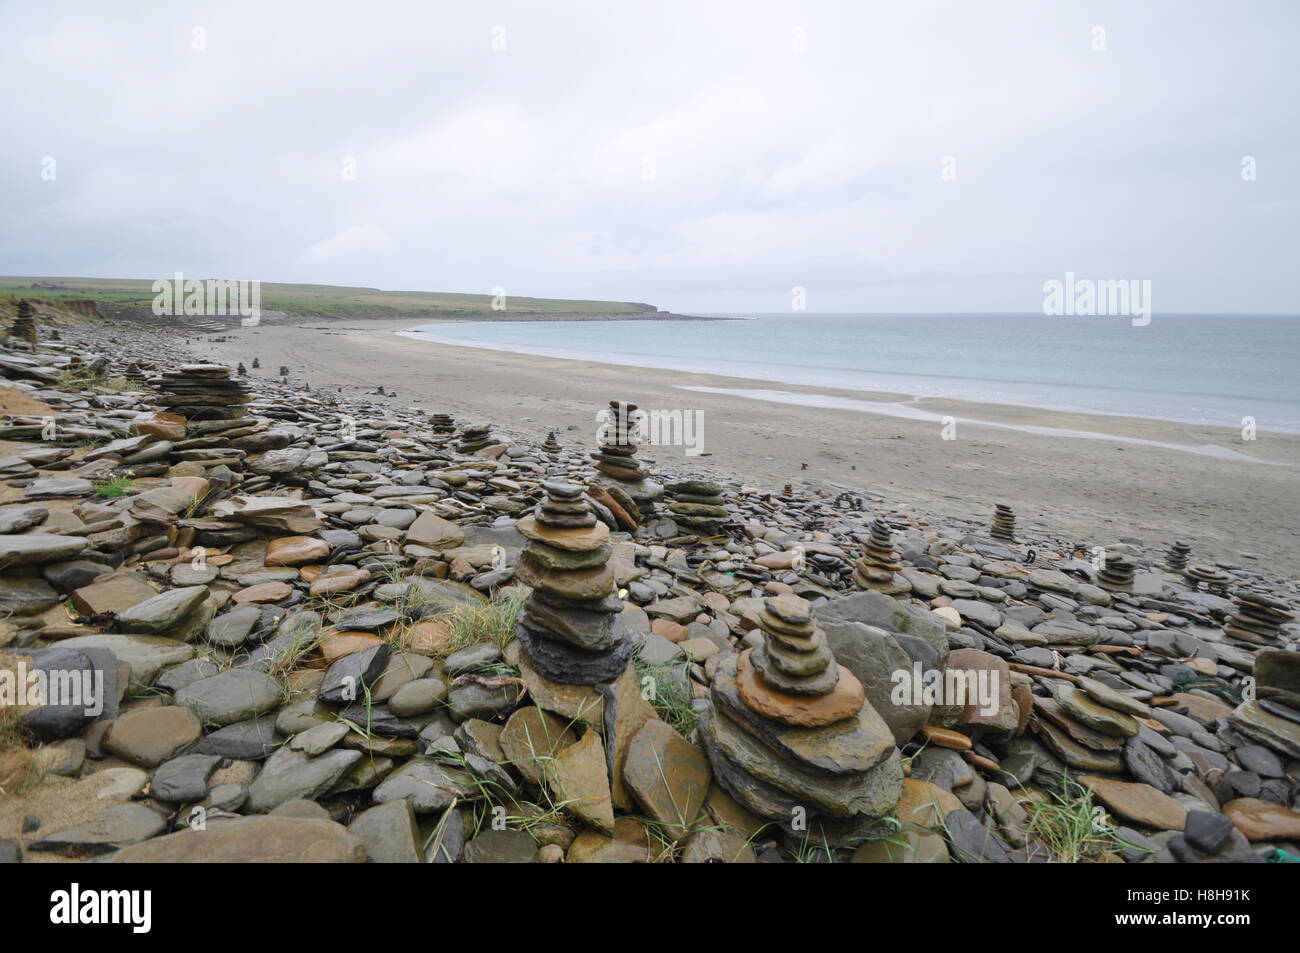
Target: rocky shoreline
331, 629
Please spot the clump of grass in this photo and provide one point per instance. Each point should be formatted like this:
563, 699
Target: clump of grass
83, 378
668, 688
304, 643
14, 735
492, 621
1071, 826
114, 488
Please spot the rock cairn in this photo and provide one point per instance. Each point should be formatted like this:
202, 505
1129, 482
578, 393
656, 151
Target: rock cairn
23, 330
202, 392
878, 563
1257, 617
570, 627
551, 446
474, 438
134, 373
1213, 579
616, 457
1004, 523
1176, 559
442, 424
788, 728
1116, 573
699, 506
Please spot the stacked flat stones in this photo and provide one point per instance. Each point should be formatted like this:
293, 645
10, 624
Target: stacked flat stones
1257, 618
788, 728
202, 392
1213, 579
1004, 522
442, 424
878, 563
134, 373
1176, 559
616, 458
24, 327
1116, 573
571, 626
698, 506
552, 446
475, 437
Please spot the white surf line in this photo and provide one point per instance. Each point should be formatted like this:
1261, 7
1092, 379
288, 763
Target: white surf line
893, 409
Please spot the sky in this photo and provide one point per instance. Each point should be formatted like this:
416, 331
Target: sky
700, 156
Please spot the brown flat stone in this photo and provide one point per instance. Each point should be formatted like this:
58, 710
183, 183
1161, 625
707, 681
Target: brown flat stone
430, 637
1263, 820
572, 540
430, 529
945, 738
339, 581
579, 777
334, 647
195, 486
1137, 803
668, 776
602, 496
295, 550
844, 701
114, 594
263, 592
670, 630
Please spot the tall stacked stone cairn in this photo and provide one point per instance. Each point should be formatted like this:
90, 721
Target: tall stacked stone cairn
552, 446
474, 438
202, 392
1176, 560
442, 424
570, 627
1004, 523
876, 567
1116, 573
698, 506
616, 460
1257, 617
790, 732
24, 327
1213, 579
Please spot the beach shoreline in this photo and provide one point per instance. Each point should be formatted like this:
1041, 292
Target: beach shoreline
1101, 489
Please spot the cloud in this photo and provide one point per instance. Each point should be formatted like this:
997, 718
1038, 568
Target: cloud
693, 156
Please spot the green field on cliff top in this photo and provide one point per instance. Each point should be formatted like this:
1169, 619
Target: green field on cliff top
324, 301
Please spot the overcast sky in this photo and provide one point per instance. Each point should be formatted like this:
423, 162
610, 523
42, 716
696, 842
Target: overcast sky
698, 155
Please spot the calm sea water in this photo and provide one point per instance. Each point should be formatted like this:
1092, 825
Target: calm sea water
1196, 369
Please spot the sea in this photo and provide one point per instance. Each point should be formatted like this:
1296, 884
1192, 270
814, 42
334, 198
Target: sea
1222, 370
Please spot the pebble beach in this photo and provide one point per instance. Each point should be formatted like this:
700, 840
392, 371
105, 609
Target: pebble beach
349, 596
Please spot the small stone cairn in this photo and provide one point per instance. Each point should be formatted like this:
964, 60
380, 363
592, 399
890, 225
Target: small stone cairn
1176, 560
789, 731
1004, 523
202, 392
570, 627
616, 460
876, 567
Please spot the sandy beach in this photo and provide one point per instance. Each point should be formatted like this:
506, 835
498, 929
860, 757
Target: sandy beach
1230, 508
